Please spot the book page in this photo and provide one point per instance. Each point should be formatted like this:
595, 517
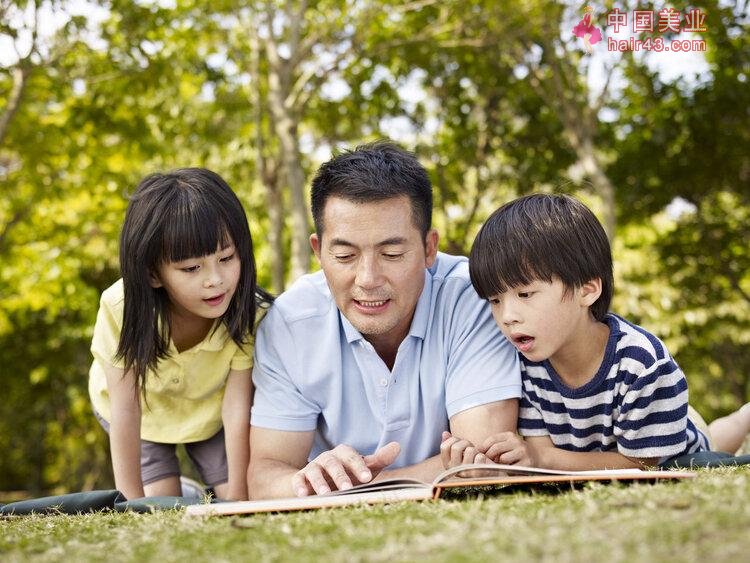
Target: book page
490, 471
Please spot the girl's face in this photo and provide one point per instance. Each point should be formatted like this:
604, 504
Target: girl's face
201, 287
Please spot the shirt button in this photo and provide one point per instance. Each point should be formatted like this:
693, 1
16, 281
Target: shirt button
384, 382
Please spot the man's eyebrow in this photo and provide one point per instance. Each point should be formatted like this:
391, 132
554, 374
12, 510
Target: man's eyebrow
386, 242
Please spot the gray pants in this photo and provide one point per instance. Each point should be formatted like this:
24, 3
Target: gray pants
159, 461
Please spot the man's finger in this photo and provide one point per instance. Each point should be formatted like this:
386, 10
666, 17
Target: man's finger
300, 485
382, 458
445, 436
334, 468
353, 463
314, 475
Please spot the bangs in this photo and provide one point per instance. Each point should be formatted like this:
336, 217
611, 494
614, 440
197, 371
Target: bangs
494, 269
192, 230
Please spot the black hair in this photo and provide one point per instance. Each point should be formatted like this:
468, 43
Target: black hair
374, 172
542, 237
171, 217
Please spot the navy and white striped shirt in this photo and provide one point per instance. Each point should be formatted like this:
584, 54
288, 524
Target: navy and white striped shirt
636, 404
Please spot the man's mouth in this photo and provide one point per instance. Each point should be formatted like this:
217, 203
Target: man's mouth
371, 306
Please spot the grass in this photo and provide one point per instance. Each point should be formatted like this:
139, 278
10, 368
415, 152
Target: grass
707, 518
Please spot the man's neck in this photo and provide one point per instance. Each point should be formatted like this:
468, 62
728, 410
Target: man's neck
387, 345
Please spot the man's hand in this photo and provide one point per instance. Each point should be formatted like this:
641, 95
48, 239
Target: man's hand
341, 468
456, 451
509, 448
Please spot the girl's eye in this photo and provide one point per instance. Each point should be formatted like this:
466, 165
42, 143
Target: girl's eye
228, 258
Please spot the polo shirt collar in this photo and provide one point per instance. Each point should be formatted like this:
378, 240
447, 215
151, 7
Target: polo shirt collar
418, 323
214, 341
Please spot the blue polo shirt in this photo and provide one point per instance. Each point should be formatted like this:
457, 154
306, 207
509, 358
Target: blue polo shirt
314, 371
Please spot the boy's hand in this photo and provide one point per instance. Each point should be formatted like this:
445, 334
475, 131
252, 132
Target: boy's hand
455, 451
509, 448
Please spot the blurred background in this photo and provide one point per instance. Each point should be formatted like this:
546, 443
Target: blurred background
497, 98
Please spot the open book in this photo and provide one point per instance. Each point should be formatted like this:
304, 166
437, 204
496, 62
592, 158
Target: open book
395, 490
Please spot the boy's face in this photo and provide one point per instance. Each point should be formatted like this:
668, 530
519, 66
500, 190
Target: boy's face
541, 319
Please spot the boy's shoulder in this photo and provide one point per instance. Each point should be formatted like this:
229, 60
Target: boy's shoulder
635, 342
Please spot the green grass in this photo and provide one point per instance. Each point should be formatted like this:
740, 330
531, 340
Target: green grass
704, 519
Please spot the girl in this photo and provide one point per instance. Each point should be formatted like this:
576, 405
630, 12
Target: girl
172, 343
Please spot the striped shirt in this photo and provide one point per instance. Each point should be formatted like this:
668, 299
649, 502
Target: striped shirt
636, 404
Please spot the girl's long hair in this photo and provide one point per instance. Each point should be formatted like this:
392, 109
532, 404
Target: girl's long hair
171, 217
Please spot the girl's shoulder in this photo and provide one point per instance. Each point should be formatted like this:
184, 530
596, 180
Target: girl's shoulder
114, 296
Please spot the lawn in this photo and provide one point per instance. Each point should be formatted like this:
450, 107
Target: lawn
707, 518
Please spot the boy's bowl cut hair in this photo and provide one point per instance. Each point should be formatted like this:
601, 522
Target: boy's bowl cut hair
374, 172
542, 237
174, 216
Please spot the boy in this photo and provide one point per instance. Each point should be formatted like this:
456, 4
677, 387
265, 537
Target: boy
598, 391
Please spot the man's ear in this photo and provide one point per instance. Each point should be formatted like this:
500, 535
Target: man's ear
431, 247
153, 280
315, 244
590, 291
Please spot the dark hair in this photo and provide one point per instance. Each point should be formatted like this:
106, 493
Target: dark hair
541, 237
374, 172
171, 217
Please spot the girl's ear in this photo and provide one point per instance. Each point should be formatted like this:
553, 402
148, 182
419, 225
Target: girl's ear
153, 280
589, 292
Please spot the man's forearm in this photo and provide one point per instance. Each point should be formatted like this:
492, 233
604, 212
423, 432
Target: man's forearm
270, 478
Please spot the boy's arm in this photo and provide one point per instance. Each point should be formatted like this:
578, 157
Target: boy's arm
125, 431
235, 415
539, 451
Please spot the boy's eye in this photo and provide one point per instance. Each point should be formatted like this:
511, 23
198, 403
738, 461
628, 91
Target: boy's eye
190, 269
525, 294
494, 300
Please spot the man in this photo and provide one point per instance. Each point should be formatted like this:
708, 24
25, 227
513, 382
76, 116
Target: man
366, 364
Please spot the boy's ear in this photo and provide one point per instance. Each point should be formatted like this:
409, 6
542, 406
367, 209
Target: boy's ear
153, 280
590, 291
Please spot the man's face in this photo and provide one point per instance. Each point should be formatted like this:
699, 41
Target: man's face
374, 258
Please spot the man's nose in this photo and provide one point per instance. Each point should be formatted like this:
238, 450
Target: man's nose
368, 273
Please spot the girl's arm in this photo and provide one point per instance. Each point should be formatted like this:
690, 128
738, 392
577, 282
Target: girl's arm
125, 431
235, 414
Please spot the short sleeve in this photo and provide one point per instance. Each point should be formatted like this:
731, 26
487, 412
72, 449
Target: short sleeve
652, 422
107, 331
243, 357
483, 366
278, 402
530, 418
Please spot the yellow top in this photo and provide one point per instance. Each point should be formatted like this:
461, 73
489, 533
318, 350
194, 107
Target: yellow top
185, 393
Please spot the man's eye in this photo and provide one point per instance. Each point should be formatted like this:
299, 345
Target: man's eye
344, 257
393, 255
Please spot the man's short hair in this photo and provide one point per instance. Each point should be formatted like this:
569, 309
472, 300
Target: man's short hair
542, 237
374, 172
